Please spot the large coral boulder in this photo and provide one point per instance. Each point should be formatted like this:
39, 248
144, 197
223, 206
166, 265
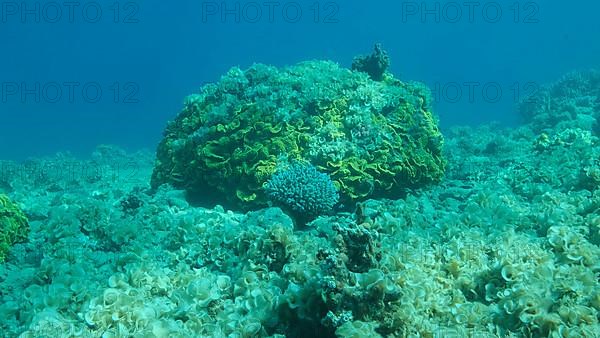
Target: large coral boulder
373, 138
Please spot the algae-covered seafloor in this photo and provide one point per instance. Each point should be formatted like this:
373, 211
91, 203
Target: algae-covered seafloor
504, 244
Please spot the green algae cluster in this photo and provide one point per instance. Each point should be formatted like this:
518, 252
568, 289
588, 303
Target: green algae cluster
374, 138
14, 226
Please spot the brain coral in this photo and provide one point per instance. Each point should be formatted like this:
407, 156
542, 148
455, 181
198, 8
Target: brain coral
14, 226
373, 138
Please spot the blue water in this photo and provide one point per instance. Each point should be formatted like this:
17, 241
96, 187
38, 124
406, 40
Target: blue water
146, 56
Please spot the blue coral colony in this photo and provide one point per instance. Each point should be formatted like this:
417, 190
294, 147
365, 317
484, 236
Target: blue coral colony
273, 209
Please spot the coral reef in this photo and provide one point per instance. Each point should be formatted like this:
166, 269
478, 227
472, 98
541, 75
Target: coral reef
508, 245
571, 102
374, 139
492, 255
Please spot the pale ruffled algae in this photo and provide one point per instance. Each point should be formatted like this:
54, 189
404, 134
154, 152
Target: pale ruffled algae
507, 245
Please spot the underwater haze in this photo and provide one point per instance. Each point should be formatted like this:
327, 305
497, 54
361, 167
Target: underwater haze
144, 56
327, 169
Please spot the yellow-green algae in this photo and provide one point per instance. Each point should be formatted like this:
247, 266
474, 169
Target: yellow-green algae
14, 226
373, 138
